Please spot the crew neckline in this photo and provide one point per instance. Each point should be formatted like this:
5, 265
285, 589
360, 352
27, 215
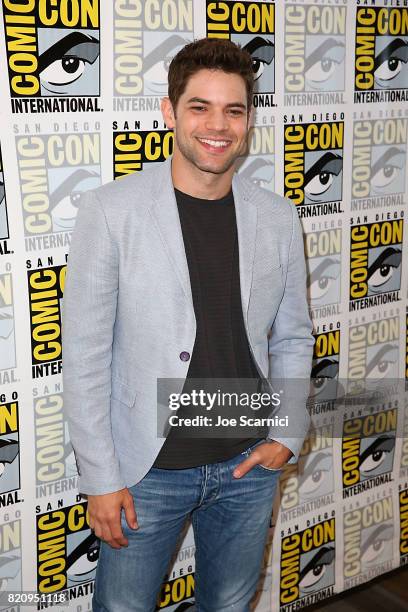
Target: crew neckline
227, 199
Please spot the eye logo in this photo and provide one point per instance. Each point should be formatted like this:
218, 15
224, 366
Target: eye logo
325, 368
375, 261
258, 164
315, 47
313, 166
324, 67
82, 557
252, 26
144, 46
316, 475
68, 66
381, 50
307, 562
323, 261
323, 177
318, 572
368, 538
4, 230
53, 50
390, 64
159, 48
379, 157
388, 170
262, 51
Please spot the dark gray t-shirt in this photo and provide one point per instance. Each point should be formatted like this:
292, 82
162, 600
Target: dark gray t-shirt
221, 347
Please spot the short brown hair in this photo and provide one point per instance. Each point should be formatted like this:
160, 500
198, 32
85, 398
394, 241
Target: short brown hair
210, 54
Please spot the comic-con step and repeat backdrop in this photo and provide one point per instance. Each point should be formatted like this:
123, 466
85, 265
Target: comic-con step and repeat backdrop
81, 84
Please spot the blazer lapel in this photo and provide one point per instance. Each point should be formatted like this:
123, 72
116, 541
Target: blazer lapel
246, 216
166, 214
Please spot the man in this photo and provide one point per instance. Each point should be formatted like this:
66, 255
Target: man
184, 270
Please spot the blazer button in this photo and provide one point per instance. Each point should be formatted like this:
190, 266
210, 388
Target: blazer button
184, 356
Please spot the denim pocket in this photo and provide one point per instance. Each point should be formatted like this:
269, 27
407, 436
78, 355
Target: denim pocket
258, 465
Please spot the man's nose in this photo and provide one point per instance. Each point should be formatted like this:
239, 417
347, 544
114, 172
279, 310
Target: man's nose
216, 120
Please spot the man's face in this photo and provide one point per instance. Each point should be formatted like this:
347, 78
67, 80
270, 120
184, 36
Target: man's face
211, 120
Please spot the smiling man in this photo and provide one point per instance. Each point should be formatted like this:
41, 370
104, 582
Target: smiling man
185, 271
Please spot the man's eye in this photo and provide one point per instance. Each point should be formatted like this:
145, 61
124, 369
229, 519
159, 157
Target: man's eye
236, 112
198, 108
389, 69
63, 71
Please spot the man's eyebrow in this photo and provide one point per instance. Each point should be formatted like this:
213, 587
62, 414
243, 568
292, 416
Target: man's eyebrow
203, 101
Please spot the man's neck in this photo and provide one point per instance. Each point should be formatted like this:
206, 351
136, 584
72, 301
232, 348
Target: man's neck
200, 184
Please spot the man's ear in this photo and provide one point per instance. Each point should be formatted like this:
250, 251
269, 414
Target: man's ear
167, 112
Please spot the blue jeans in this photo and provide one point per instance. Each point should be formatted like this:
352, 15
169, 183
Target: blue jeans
230, 519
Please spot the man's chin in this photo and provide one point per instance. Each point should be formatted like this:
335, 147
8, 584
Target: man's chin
215, 168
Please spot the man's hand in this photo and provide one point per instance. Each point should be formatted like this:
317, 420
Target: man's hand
104, 516
270, 454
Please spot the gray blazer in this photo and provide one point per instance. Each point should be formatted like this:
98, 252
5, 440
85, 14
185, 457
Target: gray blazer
128, 316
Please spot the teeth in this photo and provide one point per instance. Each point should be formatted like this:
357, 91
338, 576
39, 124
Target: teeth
214, 143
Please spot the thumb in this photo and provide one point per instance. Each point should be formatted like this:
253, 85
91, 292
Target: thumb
244, 467
130, 513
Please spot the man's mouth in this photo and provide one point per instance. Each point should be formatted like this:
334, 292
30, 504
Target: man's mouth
214, 144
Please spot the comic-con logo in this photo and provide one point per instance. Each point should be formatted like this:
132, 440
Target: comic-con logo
4, 227
53, 451
404, 449
323, 260
147, 35
52, 51
406, 347
10, 555
132, 149
403, 538
314, 476
7, 337
46, 290
379, 160
368, 447
313, 166
325, 365
373, 353
9, 451
381, 54
307, 565
375, 263
54, 170
368, 539
315, 47
252, 26
75, 549
258, 165
176, 591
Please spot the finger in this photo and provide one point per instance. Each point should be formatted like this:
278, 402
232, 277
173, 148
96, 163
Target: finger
117, 535
109, 537
130, 513
244, 467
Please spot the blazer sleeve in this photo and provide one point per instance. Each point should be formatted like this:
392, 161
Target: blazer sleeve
291, 348
88, 317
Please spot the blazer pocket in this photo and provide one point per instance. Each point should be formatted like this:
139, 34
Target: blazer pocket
122, 392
